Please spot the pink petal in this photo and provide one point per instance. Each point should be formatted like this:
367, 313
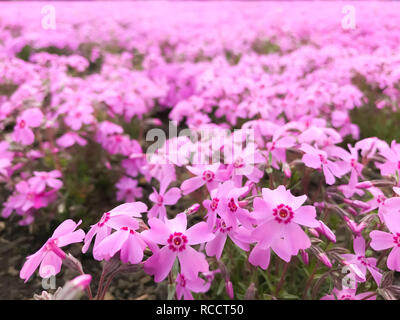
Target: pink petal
192, 262
177, 224
158, 233
199, 233
359, 245
393, 261
76, 236
66, 227
381, 240
111, 244
306, 216
31, 264
188, 186
260, 256
216, 246
172, 196
160, 264
50, 266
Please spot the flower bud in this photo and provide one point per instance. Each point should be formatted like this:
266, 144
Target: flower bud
304, 256
229, 289
192, 209
250, 292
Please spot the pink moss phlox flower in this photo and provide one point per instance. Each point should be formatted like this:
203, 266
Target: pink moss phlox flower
125, 239
128, 190
317, 159
205, 175
279, 215
117, 218
50, 256
243, 163
392, 156
31, 118
381, 240
69, 139
278, 146
348, 294
27, 196
43, 178
362, 262
185, 286
240, 236
163, 198
176, 242
78, 116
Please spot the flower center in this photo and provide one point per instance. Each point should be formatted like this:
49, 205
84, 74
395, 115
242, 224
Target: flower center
221, 225
322, 159
396, 239
363, 260
177, 241
78, 114
283, 213
346, 297
208, 176
214, 204
232, 205
22, 124
160, 200
128, 229
239, 163
104, 219
381, 199
181, 280
353, 163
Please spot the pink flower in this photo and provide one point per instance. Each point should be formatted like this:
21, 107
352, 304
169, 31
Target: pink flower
348, 294
205, 175
185, 286
240, 236
316, 159
176, 241
163, 198
363, 263
50, 256
126, 240
128, 190
31, 118
116, 218
43, 178
69, 139
279, 214
78, 116
383, 240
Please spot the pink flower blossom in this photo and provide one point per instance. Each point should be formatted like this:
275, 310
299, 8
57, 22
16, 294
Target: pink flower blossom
176, 241
185, 286
163, 198
128, 190
31, 118
50, 256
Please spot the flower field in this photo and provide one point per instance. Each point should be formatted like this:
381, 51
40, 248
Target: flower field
188, 150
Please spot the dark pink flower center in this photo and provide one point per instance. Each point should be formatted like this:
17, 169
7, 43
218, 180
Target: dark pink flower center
346, 297
214, 204
353, 163
177, 241
104, 219
221, 225
239, 163
78, 114
22, 124
322, 159
128, 229
283, 213
381, 199
208, 176
232, 205
181, 280
363, 260
160, 200
396, 239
